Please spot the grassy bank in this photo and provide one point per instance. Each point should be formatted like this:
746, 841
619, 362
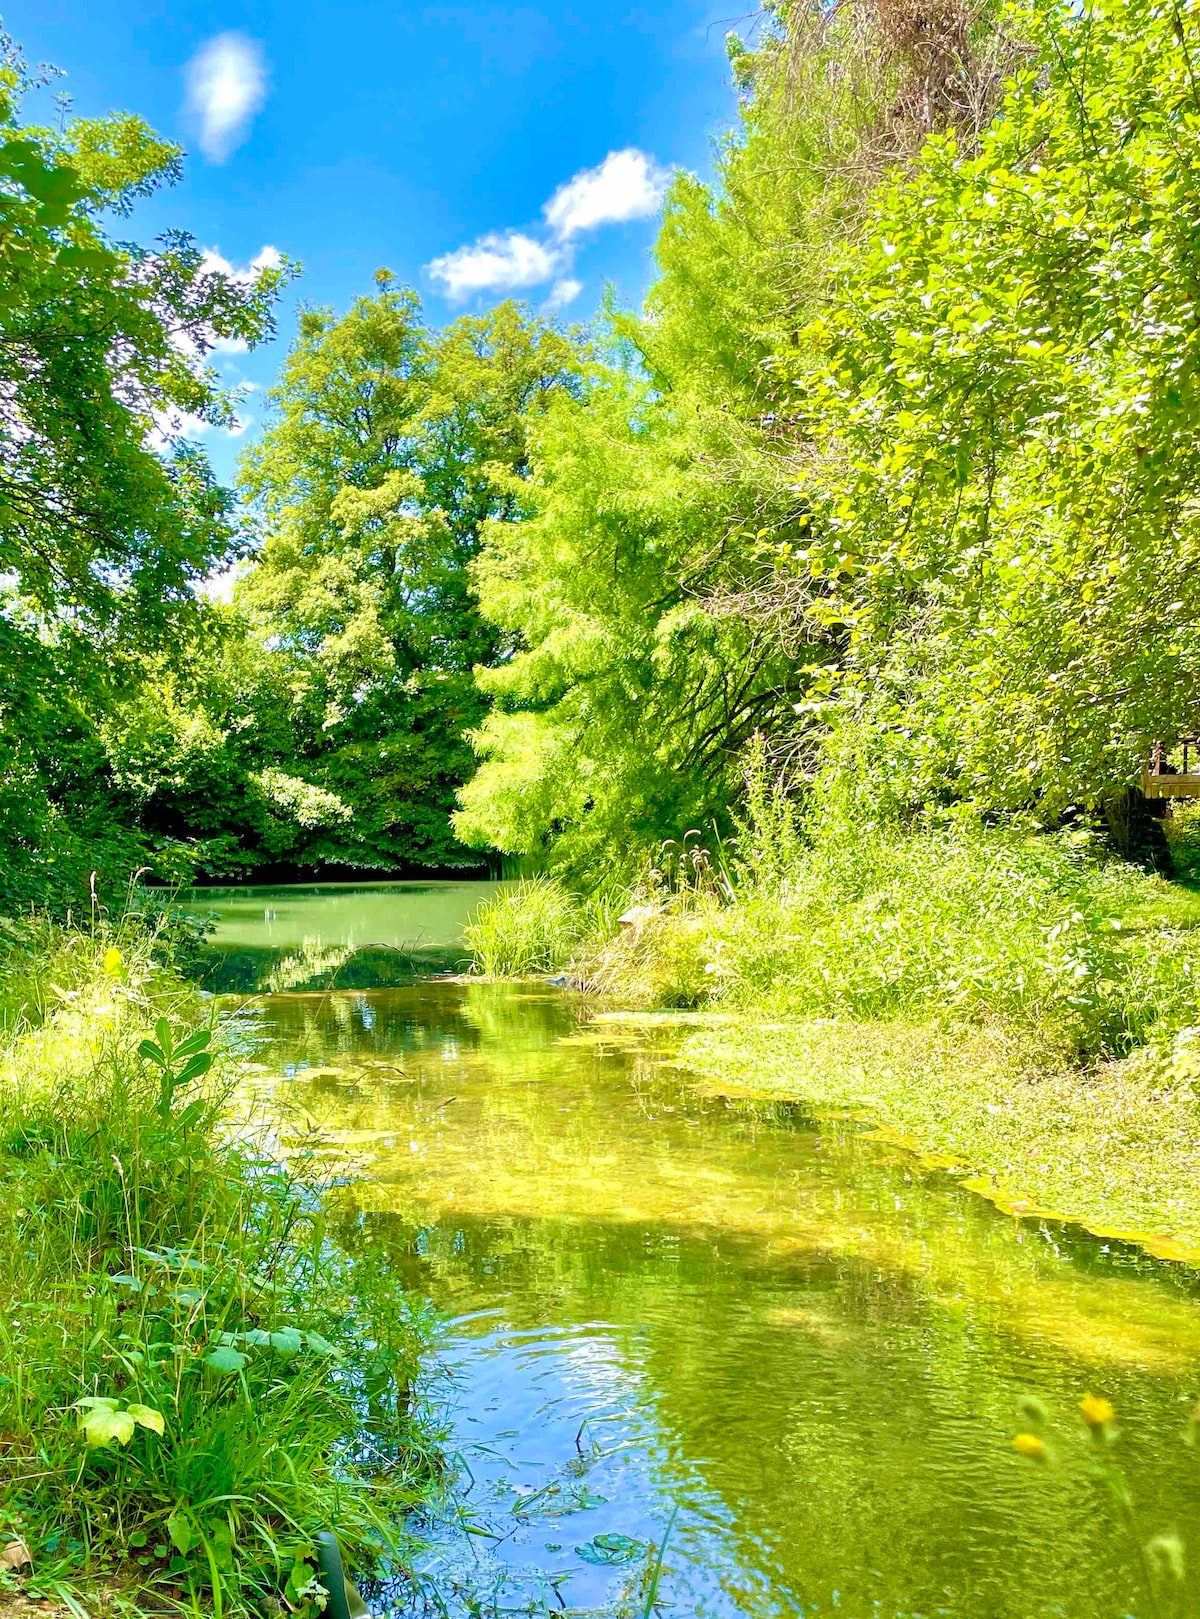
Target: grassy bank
192, 1383
1021, 1006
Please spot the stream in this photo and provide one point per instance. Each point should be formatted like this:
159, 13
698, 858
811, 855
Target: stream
776, 1337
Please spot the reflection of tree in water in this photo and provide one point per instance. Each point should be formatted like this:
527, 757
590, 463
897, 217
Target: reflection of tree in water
833, 1338
858, 1430
315, 965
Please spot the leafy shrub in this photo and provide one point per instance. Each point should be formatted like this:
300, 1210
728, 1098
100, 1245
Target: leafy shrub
192, 1382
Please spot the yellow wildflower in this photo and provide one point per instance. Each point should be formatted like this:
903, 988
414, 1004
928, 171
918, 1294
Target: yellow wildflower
1028, 1444
113, 961
1096, 1412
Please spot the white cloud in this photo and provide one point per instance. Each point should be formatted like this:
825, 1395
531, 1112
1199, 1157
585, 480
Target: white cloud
627, 185
213, 262
563, 292
500, 262
227, 84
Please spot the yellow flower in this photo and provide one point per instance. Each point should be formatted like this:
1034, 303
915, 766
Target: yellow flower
113, 960
1096, 1412
1028, 1444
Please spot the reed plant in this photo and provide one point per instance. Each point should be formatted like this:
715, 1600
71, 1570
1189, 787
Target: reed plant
536, 926
193, 1383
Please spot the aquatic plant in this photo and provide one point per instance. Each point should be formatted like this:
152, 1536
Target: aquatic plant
536, 926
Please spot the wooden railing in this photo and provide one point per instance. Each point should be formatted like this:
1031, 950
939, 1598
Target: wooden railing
1174, 769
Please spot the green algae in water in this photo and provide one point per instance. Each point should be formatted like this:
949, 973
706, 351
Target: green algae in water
811, 1346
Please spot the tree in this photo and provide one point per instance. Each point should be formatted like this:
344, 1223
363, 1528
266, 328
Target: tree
1002, 422
391, 447
108, 518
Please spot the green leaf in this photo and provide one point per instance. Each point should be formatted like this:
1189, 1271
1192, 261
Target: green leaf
609, 1551
193, 1068
147, 1417
289, 1341
154, 1053
105, 1427
181, 1532
225, 1360
321, 1346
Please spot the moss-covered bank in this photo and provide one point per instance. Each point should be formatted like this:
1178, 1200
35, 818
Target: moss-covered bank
1115, 1146
1025, 1007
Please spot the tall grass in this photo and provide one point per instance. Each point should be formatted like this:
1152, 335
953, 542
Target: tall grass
192, 1383
814, 916
536, 926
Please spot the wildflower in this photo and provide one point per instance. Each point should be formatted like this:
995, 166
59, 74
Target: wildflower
1028, 1444
1096, 1412
113, 961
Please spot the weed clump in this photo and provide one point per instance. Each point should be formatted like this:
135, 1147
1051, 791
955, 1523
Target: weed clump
192, 1384
536, 926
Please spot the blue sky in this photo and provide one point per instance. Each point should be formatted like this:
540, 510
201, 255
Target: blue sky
475, 150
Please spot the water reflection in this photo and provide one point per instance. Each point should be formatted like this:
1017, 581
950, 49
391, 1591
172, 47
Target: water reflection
784, 1327
353, 935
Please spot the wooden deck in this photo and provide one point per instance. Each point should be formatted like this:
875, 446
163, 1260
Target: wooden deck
1173, 770
1178, 786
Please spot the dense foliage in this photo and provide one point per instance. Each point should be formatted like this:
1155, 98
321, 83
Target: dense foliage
894, 469
1002, 424
108, 517
193, 1384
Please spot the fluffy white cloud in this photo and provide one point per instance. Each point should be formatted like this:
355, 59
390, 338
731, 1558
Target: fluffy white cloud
627, 185
500, 262
563, 292
227, 84
267, 258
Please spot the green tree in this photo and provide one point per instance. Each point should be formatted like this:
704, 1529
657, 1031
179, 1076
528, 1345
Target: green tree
108, 517
1001, 424
391, 447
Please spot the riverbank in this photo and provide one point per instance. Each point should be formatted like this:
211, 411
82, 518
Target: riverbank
194, 1381
1023, 1008
1114, 1146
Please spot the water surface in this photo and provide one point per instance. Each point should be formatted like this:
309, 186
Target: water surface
295, 936
774, 1327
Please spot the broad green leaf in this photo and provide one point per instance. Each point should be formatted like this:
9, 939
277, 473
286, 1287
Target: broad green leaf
610, 1550
181, 1532
147, 1417
105, 1427
321, 1346
225, 1360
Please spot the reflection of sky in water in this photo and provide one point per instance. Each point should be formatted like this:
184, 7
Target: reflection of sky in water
811, 1345
560, 1460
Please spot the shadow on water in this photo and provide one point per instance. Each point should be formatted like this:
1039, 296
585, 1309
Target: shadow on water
789, 1331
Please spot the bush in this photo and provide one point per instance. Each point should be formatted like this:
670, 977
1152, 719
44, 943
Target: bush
192, 1383
534, 927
